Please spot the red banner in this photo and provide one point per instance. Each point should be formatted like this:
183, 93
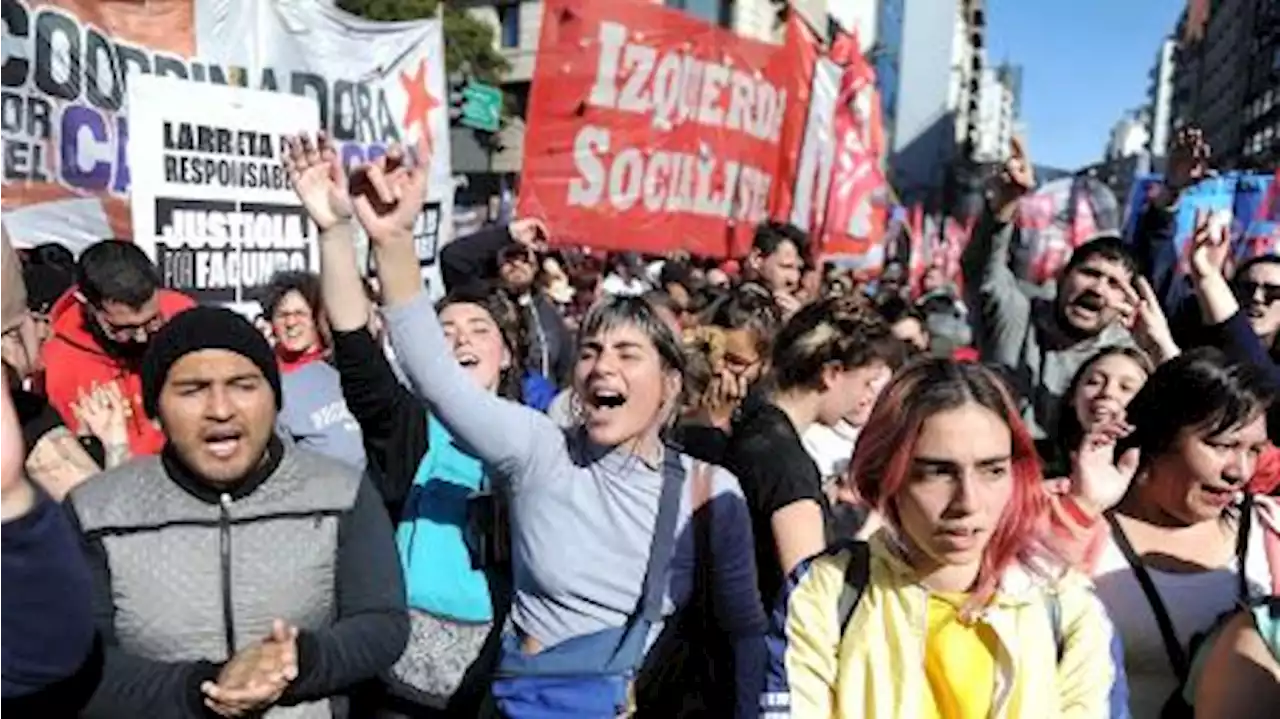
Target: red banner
798, 66
650, 130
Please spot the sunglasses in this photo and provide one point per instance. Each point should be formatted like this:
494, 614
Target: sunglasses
1246, 289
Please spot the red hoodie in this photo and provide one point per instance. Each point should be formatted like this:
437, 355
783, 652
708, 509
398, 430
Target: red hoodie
74, 361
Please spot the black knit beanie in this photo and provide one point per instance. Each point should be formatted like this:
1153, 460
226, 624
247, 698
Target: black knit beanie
204, 328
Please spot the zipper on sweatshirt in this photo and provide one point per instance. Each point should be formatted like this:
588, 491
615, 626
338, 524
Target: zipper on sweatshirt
224, 547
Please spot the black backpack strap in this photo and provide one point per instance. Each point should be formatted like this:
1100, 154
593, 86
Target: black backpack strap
1243, 528
857, 575
1172, 647
1054, 607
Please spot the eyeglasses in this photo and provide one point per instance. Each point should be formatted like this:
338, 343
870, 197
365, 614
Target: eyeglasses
137, 332
1246, 289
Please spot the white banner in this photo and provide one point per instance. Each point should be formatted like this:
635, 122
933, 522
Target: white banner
212, 204
68, 64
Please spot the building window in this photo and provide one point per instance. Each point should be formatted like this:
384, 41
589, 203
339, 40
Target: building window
717, 12
509, 19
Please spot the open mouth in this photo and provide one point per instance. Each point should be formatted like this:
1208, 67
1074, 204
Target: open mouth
468, 360
606, 399
223, 443
1089, 302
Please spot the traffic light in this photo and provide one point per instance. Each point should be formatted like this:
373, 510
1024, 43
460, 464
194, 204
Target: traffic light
457, 82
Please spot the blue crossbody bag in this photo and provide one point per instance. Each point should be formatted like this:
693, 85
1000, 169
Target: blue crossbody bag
593, 675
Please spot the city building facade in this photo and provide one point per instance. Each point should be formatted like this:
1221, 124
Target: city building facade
935, 129
996, 118
1160, 97
1226, 79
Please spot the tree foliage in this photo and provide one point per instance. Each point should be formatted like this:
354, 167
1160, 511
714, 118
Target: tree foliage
468, 42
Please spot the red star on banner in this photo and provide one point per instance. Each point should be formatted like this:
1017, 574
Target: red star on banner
421, 103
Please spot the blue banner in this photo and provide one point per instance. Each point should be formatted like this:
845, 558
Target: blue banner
1248, 203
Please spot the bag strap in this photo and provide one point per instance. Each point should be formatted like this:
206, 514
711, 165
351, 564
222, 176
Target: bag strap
664, 538
1054, 607
1172, 647
857, 575
1243, 530
702, 522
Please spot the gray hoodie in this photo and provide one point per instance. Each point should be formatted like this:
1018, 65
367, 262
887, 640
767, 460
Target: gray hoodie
315, 416
1018, 332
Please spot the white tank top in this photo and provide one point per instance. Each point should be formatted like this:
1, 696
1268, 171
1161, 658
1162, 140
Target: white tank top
1194, 602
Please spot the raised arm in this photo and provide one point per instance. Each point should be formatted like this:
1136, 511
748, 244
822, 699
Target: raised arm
475, 257
383, 407
991, 290
502, 433
321, 185
1219, 307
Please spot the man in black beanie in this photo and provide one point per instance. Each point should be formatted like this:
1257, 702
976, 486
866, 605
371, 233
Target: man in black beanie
234, 569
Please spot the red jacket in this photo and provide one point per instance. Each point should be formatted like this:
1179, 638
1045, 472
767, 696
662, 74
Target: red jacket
1266, 475
75, 362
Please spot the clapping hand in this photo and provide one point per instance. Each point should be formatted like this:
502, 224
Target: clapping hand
257, 675
103, 412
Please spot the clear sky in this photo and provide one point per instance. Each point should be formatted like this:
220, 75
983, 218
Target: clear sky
1084, 63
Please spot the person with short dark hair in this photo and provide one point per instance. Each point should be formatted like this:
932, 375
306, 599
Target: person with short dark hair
292, 304
828, 363
1044, 342
315, 414
907, 323
509, 254
777, 257
101, 328
235, 572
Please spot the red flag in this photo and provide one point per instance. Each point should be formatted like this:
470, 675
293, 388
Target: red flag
854, 218
796, 65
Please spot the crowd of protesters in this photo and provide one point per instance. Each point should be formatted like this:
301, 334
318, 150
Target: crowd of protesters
585, 485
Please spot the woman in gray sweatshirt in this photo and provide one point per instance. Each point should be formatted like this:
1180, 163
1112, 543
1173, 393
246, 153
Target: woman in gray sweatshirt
584, 501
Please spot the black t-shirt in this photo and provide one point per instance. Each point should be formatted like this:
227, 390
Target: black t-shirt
775, 471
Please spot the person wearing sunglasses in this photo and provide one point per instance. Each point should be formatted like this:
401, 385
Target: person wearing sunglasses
1257, 289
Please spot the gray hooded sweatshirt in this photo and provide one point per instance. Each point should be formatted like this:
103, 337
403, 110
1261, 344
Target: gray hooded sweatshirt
1019, 333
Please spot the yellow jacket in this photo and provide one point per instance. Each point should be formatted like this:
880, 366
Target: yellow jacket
876, 669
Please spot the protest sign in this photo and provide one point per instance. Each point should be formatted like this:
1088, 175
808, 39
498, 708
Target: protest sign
650, 130
1244, 202
212, 204
68, 63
